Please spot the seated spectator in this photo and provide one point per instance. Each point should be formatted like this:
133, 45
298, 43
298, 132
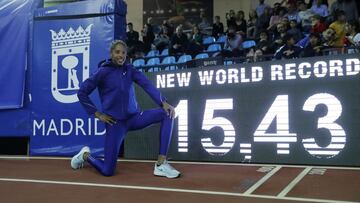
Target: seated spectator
240, 23
292, 13
132, 39
204, 25
233, 44
339, 27
329, 38
280, 33
254, 55
353, 33
251, 25
313, 48
148, 36
162, 40
179, 42
348, 6
289, 50
168, 26
195, 44
230, 18
263, 21
276, 18
218, 28
260, 9
264, 43
317, 25
320, 9
295, 31
305, 16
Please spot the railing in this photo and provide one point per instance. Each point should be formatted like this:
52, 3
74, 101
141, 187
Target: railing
215, 61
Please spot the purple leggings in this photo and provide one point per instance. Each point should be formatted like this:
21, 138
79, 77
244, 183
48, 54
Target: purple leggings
115, 134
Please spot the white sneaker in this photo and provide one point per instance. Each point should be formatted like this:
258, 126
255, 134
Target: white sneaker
166, 170
78, 161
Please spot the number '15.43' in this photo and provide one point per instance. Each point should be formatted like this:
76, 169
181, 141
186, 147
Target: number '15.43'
282, 137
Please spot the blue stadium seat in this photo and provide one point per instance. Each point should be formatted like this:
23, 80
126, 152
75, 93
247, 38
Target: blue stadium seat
202, 56
221, 39
169, 60
152, 53
138, 63
153, 62
208, 40
165, 52
248, 44
227, 63
214, 47
184, 58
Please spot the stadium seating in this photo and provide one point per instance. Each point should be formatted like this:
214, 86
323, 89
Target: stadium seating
169, 60
138, 63
153, 62
208, 40
202, 56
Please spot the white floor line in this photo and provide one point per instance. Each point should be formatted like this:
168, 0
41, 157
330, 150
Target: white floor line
293, 183
188, 162
170, 190
262, 180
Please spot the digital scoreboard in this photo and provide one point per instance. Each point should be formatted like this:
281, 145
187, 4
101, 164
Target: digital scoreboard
301, 111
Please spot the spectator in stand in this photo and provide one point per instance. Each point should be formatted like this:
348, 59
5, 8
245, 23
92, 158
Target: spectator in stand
275, 19
295, 31
168, 26
280, 33
195, 44
264, 43
218, 28
305, 16
233, 44
289, 50
251, 25
286, 22
204, 25
263, 21
230, 19
240, 23
179, 42
348, 6
339, 27
277, 6
260, 9
132, 36
292, 13
317, 25
148, 35
320, 9
329, 38
313, 2
313, 48
132, 39
353, 33
162, 40
254, 55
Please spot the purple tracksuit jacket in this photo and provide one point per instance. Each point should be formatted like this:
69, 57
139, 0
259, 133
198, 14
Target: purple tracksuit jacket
116, 90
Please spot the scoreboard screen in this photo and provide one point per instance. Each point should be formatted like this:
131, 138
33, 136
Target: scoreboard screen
301, 111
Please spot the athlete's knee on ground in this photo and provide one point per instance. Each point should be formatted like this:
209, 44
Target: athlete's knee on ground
108, 171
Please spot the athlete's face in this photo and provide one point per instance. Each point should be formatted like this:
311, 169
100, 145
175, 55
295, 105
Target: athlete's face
118, 55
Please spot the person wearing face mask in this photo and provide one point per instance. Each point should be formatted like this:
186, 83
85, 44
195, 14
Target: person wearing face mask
120, 112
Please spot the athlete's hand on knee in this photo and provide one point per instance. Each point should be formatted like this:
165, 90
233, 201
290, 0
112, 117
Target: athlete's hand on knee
105, 118
170, 110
